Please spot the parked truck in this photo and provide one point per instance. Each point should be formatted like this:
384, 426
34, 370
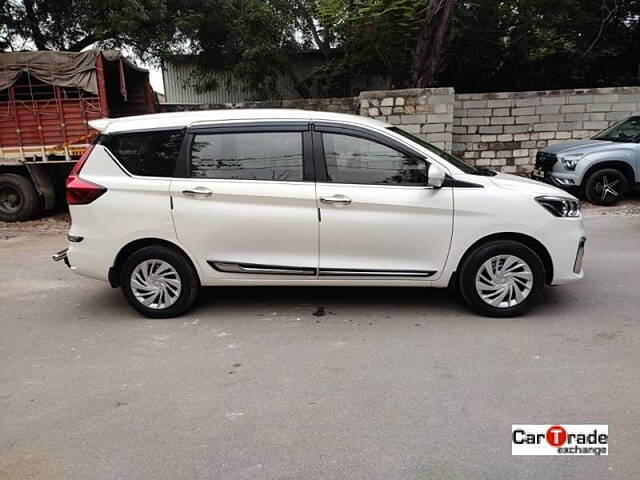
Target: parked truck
46, 101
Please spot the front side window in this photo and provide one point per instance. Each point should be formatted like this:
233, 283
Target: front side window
149, 154
248, 156
625, 131
358, 160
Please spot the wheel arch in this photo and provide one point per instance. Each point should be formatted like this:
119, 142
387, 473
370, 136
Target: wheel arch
525, 239
131, 247
622, 166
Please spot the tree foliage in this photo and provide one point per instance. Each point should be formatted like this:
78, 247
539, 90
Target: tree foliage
475, 45
144, 26
542, 44
374, 37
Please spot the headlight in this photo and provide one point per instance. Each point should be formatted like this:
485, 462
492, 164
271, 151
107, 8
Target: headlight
569, 162
560, 206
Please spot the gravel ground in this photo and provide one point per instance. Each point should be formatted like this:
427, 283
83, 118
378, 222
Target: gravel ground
58, 222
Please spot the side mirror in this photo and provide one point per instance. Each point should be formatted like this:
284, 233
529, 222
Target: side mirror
436, 176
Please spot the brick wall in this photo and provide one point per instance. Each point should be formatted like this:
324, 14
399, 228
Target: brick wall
501, 130
505, 130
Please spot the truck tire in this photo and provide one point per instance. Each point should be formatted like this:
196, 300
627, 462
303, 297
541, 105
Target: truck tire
606, 186
19, 199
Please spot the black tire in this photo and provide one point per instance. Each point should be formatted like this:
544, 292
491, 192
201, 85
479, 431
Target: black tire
473, 263
186, 273
594, 191
19, 199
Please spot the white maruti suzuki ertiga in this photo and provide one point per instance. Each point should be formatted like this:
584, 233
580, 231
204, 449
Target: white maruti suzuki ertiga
163, 204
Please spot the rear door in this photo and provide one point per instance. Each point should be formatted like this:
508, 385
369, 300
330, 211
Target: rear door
245, 205
379, 219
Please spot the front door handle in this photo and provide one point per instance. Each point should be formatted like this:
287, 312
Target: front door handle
198, 192
339, 199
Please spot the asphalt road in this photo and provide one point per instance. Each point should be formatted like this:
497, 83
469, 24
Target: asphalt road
311, 383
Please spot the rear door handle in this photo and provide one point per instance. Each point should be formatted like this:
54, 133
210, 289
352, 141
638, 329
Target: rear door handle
198, 192
339, 199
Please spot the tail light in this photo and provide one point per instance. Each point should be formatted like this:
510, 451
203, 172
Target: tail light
80, 191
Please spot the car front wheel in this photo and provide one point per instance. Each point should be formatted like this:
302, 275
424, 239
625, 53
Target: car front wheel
159, 282
605, 187
503, 278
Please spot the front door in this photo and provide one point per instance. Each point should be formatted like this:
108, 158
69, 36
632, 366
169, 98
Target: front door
246, 207
378, 217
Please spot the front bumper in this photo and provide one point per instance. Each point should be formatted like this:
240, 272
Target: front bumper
565, 243
564, 180
577, 265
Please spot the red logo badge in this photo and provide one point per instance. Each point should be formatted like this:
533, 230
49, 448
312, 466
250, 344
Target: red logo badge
556, 436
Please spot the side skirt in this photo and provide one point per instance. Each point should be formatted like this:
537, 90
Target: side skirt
254, 268
350, 272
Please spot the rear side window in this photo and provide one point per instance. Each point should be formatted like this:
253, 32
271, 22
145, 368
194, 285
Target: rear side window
248, 156
148, 154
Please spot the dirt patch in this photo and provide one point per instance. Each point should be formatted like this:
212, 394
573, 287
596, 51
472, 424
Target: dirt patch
629, 206
56, 223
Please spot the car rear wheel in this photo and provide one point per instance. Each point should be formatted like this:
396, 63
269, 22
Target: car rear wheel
159, 282
606, 186
18, 198
503, 278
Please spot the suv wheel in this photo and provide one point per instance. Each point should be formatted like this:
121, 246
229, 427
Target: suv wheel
503, 278
159, 282
18, 198
606, 186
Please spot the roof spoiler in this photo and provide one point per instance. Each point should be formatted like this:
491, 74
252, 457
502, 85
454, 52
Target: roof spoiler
100, 124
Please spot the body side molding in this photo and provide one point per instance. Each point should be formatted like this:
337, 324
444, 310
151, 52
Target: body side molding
255, 268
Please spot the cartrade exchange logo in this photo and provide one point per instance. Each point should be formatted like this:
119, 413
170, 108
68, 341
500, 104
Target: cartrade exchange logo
560, 440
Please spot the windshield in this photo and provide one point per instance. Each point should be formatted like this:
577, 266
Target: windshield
625, 131
455, 161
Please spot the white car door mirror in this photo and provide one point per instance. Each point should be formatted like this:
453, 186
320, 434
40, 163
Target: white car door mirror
436, 176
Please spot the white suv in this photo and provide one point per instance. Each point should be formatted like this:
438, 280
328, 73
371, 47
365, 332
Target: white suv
163, 204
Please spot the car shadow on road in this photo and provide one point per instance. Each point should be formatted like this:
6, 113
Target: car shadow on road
329, 302
344, 297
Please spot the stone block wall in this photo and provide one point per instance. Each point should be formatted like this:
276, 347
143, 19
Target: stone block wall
424, 112
504, 131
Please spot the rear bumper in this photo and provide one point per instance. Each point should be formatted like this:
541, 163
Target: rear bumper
92, 258
61, 256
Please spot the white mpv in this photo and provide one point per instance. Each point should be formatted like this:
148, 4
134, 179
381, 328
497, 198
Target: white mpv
164, 204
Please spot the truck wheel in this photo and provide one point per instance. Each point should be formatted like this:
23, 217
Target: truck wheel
18, 198
606, 186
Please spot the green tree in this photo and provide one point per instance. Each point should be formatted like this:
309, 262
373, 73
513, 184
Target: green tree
72, 25
474, 45
375, 37
542, 44
253, 41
